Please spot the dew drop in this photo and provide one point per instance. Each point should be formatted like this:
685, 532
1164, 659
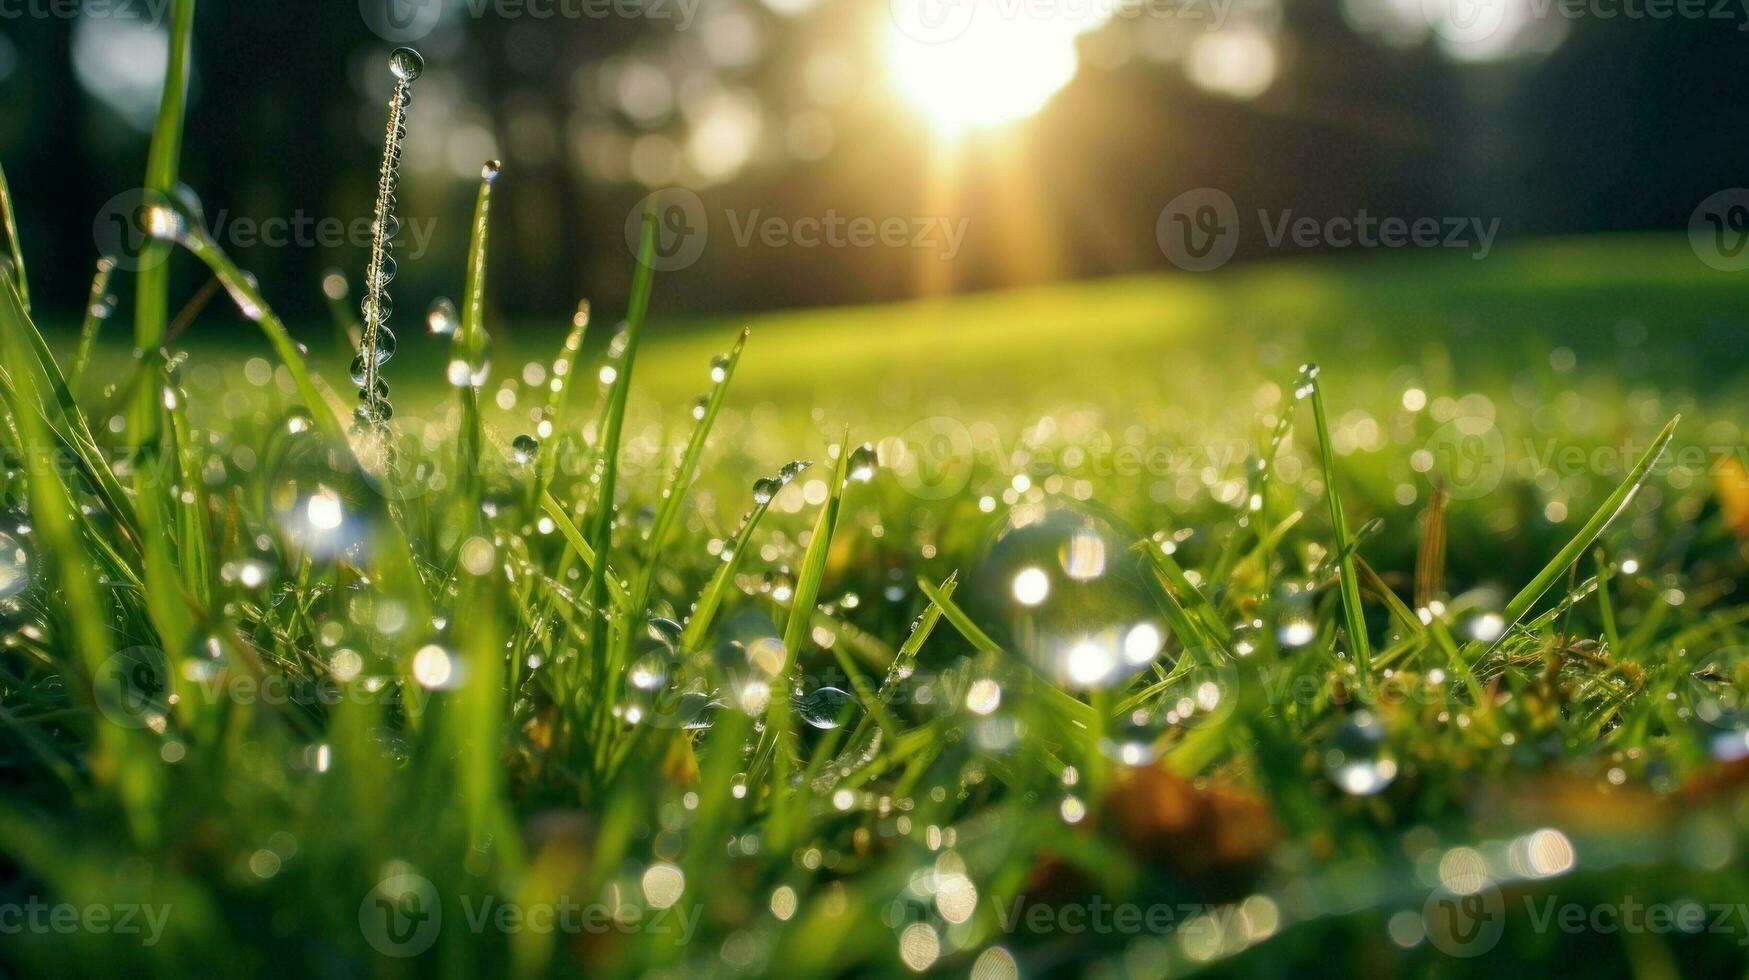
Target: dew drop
14, 566
406, 64
825, 708
525, 448
1356, 757
1062, 587
442, 317
862, 464
1133, 738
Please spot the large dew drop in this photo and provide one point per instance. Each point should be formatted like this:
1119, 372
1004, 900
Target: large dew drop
1064, 588
825, 708
14, 566
1357, 758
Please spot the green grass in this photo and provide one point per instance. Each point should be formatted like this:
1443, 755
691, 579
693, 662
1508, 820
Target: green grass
263, 678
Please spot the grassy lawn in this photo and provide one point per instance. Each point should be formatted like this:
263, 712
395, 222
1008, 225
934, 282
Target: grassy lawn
1087, 675
1352, 616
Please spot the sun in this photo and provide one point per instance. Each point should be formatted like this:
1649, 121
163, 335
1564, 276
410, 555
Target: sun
994, 68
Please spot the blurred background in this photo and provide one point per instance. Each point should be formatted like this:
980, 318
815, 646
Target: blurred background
1055, 130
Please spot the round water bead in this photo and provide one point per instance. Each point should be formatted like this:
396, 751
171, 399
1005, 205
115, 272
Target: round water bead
406, 64
316, 494
1356, 757
862, 464
1295, 623
689, 711
471, 362
524, 448
1133, 738
385, 345
14, 566
1064, 588
655, 654
664, 630
1717, 689
764, 489
442, 317
825, 708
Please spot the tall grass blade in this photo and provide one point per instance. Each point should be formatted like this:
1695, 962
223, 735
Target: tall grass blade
9, 224
1352, 614
601, 521
711, 599
1587, 535
97, 309
152, 295
468, 357
674, 491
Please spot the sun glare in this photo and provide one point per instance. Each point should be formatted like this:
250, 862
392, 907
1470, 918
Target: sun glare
993, 69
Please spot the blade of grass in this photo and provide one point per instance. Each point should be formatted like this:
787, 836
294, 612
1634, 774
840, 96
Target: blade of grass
601, 521
469, 349
1587, 535
81, 607
1430, 559
559, 398
809, 576
1353, 616
152, 295
1191, 599
1072, 708
93, 320
1605, 605
675, 490
9, 223
705, 610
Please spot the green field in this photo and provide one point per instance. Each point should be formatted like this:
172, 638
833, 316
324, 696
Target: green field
1482, 704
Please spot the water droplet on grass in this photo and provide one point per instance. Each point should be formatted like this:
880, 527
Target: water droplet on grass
525, 448
442, 317
1717, 690
406, 64
1294, 624
1133, 738
14, 566
1062, 587
1356, 757
862, 464
470, 368
825, 708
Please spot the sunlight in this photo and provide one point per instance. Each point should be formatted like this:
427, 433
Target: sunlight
995, 67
